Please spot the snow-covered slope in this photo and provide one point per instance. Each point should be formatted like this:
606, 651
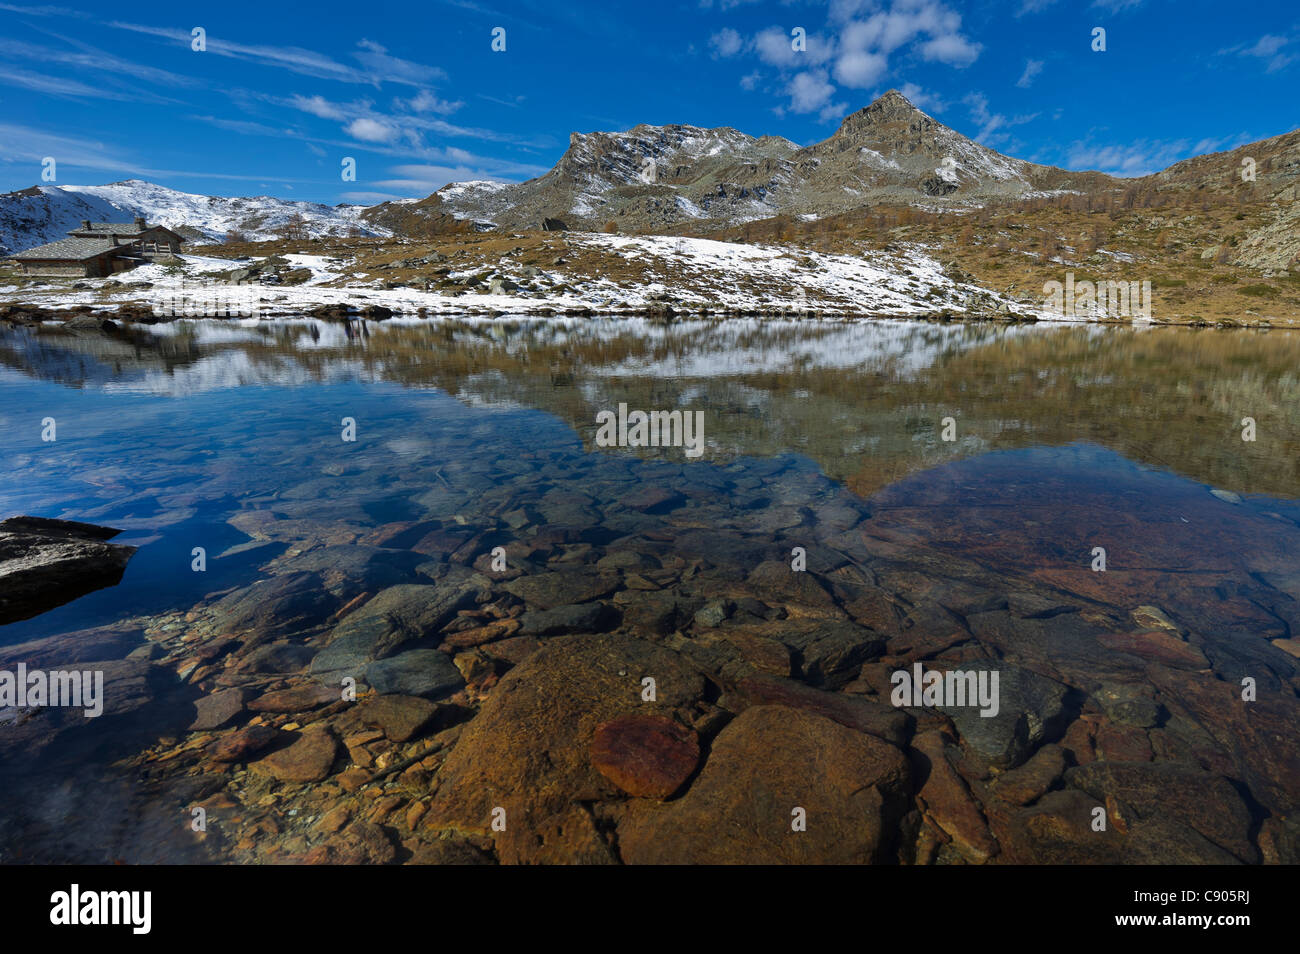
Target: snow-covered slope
619, 275
43, 214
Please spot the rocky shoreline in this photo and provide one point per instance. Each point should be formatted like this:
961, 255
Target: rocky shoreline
107, 317
503, 716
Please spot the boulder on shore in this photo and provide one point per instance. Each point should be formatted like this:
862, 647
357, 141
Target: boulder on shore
45, 563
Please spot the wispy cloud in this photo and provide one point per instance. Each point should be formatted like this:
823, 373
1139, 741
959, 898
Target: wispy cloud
111, 74
376, 65
921, 99
1269, 48
56, 86
25, 144
1032, 69
992, 125
1145, 156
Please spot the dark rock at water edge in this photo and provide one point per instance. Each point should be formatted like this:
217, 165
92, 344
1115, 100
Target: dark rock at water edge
45, 563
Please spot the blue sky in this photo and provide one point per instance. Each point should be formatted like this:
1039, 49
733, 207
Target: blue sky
415, 93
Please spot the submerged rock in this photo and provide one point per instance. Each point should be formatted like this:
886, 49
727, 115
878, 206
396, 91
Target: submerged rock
527, 751
308, 758
649, 756
781, 786
416, 672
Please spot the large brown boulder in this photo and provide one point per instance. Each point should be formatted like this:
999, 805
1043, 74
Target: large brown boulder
766, 764
528, 750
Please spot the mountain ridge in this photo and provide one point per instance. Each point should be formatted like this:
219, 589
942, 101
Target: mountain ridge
44, 213
887, 151
679, 176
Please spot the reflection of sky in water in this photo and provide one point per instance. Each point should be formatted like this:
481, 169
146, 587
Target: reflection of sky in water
170, 472
168, 434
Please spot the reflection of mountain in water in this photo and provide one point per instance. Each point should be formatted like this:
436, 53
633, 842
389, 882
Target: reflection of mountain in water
865, 399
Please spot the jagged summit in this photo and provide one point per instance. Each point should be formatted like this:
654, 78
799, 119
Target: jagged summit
890, 106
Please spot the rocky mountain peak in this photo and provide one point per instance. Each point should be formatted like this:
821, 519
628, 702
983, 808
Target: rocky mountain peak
891, 116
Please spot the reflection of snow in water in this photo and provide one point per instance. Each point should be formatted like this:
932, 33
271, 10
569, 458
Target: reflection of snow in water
196, 354
232, 369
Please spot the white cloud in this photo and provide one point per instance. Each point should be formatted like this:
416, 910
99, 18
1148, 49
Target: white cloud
1134, 159
773, 46
1269, 48
859, 69
370, 130
952, 49
989, 122
1032, 69
317, 106
377, 66
809, 91
919, 98
861, 38
726, 42
393, 69
426, 102
1144, 157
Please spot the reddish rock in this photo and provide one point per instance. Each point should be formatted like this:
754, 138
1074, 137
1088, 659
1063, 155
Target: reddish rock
1027, 783
1181, 794
874, 718
1056, 830
308, 758
1157, 645
298, 699
515, 649
946, 799
217, 709
401, 718
769, 762
803, 594
764, 654
1123, 743
1260, 735
468, 638
238, 746
334, 819
648, 756
440, 543
361, 843
1078, 740
528, 749
447, 851
1291, 646
399, 535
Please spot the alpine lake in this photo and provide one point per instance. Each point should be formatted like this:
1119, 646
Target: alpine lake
395, 602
